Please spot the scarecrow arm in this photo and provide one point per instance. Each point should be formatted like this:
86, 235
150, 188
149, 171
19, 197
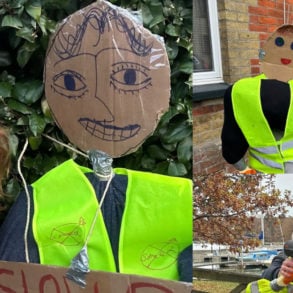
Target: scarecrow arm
234, 144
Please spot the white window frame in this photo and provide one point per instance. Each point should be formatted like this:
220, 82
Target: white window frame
215, 75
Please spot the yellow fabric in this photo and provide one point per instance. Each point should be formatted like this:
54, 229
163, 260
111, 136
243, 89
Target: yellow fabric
263, 286
250, 118
162, 208
61, 224
156, 224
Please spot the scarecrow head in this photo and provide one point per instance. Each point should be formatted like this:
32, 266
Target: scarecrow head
107, 79
277, 54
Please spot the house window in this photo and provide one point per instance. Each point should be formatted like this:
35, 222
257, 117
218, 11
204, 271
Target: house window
206, 43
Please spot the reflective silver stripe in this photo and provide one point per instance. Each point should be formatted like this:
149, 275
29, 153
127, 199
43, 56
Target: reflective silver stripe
267, 162
266, 150
287, 145
273, 149
254, 287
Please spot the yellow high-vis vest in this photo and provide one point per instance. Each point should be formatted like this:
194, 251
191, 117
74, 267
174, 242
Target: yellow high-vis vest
156, 224
264, 286
266, 154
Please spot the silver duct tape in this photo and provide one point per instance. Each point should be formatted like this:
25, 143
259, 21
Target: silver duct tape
101, 162
79, 268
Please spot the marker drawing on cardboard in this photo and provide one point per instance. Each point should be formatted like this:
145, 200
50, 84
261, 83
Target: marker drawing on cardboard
276, 55
104, 74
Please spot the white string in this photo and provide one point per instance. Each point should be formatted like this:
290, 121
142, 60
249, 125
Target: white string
105, 177
25, 236
286, 13
79, 152
284, 7
28, 202
65, 145
98, 209
109, 177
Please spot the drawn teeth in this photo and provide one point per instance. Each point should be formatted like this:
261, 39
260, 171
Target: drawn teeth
108, 132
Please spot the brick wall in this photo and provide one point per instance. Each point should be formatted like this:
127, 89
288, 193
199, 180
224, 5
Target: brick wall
264, 18
244, 25
207, 126
239, 44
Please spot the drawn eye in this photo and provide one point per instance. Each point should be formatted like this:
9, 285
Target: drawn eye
70, 84
279, 41
130, 77
291, 46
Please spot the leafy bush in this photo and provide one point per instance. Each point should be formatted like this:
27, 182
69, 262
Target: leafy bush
25, 29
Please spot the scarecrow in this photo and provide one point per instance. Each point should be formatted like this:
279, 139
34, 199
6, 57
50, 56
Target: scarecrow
258, 112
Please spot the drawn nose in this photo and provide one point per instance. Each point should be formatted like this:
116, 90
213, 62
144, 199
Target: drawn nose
105, 113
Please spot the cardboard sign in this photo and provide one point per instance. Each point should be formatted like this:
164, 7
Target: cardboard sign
277, 54
35, 278
107, 79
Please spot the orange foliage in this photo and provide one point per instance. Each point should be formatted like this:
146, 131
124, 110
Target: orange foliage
225, 206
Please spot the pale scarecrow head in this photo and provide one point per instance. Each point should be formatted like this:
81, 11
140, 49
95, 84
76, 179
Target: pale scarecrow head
107, 79
277, 54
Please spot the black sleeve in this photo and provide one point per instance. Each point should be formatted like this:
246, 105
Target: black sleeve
12, 231
234, 144
275, 100
185, 265
273, 270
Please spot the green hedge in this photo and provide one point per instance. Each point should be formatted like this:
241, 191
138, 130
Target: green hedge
25, 28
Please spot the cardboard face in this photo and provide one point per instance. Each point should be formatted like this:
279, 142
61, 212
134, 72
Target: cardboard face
278, 54
107, 79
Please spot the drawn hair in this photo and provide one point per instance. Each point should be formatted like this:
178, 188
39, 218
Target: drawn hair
68, 45
287, 28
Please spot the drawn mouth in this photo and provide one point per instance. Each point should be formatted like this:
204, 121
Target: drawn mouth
286, 61
108, 132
